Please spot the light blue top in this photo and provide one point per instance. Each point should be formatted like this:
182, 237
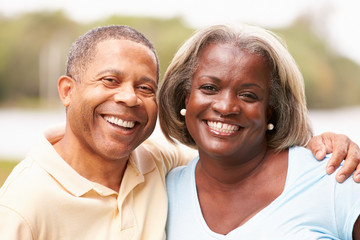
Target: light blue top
312, 206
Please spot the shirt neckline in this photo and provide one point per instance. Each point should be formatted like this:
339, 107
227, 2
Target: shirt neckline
248, 223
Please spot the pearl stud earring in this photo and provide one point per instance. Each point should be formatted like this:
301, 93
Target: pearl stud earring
270, 126
183, 112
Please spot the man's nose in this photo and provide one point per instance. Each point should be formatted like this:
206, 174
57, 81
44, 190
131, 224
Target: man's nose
126, 94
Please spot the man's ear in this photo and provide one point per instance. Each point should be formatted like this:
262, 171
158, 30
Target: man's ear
65, 87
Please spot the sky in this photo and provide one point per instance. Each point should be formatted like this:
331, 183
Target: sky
336, 20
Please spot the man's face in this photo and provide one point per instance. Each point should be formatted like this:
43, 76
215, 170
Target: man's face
113, 106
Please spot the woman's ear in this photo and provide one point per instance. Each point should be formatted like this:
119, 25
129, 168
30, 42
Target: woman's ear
187, 99
269, 113
65, 87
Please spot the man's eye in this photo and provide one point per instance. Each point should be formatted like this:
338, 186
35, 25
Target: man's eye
146, 89
110, 80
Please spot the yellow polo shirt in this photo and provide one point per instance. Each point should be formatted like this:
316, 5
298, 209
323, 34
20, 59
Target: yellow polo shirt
44, 198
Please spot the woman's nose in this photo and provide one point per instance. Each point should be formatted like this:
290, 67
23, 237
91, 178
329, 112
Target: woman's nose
226, 104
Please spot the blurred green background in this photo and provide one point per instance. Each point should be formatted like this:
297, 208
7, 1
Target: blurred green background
34, 47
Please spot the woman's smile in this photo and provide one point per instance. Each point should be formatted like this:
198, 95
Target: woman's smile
221, 127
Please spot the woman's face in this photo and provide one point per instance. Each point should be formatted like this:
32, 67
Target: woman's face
227, 108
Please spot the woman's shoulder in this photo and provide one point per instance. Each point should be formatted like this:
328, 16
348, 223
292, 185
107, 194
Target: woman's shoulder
303, 165
182, 171
304, 156
181, 176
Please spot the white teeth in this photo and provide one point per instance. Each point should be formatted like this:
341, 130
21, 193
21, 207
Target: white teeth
222, 127
119, 122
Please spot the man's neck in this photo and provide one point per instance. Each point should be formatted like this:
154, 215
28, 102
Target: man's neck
95, 168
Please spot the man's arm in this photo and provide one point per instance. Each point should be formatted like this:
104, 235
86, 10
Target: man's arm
342, 148
170, 155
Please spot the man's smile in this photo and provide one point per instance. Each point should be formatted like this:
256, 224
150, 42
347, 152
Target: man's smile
119, 122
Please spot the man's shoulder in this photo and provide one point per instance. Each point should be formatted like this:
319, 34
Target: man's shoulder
163, 149
26, 198
24, 186
158, 145
21, 174
160, 150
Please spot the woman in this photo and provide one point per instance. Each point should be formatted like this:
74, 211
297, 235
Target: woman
246, 113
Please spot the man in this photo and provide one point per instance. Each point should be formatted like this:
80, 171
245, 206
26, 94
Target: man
95, 179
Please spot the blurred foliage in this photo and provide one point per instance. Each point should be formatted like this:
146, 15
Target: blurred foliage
34, 42
331, 80
22, 41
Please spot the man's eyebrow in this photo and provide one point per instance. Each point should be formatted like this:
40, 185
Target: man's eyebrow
149, 80
112, 71
121, 73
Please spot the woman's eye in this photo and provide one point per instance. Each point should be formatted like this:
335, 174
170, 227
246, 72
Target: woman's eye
208, 88
249, 96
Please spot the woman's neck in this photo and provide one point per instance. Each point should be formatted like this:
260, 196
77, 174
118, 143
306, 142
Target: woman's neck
229, 170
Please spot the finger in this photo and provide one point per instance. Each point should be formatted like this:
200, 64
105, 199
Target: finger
356, 175
346, 170
352, 162
317, 147
354, 155
340, 147
339, 154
